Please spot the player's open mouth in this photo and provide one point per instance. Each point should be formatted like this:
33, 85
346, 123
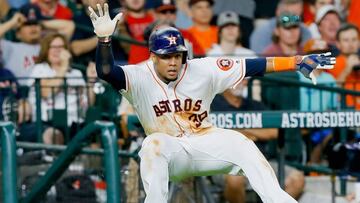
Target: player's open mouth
172, 72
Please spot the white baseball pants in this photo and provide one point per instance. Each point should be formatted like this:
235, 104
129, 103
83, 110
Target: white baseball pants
164, 158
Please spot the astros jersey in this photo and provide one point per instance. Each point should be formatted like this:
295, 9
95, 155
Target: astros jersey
182, 106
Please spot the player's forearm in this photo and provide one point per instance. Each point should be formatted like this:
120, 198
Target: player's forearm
105, 66
280, 64
259, 66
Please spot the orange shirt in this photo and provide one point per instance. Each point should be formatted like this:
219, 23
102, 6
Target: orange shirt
354, 16
352, 81
338, 67
197, 49
205, 38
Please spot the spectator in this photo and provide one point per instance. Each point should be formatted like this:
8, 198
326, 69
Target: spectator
136, 19
264, 10
328, 22
15, 108
54, 9
312, 25
166, 14
235, 186
245, 10
286, 37
183, 13
17, 3
20, 56
54, 62
260, 38
83, 42
229, 34
311, 7
312, 99
10, 99
6, 12
353, 13
347, 67
204, 33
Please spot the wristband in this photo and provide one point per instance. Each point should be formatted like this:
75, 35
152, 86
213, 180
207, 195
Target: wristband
106, 39
284, 63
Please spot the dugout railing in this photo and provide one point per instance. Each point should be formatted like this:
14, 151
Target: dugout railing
110, 152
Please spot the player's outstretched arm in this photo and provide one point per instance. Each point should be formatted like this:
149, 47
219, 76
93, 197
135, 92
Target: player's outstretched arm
305, 64
105, 65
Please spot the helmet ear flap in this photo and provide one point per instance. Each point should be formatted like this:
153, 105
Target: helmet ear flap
184, 57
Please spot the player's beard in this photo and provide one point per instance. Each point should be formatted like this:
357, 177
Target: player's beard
171, 79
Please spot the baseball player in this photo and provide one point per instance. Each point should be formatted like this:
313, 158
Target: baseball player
171, 96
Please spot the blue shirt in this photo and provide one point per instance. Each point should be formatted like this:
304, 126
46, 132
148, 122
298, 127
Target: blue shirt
317, 100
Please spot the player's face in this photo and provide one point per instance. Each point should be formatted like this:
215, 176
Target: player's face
349, 42
167, 66
55, 49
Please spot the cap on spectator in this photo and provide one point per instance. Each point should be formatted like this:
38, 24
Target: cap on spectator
192, 2
165, 5
315, 46
288, 20
228, 18
32, 13
320, 14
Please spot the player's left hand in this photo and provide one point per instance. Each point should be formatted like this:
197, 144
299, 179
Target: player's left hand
308, 63
102, 23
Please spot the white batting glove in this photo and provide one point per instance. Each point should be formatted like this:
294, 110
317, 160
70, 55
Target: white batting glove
315, 61
103, 25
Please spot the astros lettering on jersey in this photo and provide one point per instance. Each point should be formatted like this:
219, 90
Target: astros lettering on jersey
182, 106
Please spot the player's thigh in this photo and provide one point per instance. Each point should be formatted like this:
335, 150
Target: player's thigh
219, 141
229, 146
159, 144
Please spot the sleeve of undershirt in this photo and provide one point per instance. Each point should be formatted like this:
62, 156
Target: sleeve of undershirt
106, 68
255, 67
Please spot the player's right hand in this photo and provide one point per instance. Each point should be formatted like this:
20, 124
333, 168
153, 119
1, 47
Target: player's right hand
308, 63
102, 23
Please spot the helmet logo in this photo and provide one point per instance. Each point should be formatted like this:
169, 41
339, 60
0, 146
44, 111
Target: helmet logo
172, 40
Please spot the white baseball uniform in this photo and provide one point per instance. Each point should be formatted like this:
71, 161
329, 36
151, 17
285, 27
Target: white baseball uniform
181, 141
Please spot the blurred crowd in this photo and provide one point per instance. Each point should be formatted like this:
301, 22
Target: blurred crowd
44, 41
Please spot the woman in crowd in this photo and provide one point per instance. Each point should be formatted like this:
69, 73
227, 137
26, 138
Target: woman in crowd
53, 68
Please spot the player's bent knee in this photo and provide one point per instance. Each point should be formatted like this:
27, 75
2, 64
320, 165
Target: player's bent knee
154, 144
